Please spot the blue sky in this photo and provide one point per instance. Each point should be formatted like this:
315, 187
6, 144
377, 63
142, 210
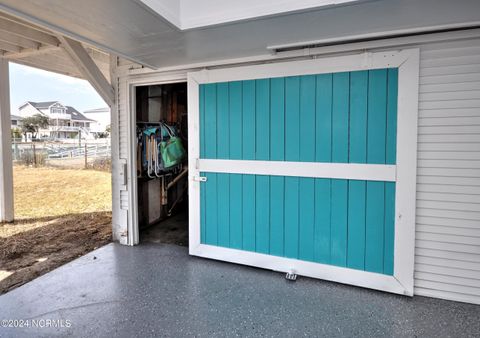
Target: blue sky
32, 84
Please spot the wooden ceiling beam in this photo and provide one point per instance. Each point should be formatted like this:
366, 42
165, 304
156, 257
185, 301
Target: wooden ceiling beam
18, 40
30, 52
28, 32
12, 18
57, 69
10, 47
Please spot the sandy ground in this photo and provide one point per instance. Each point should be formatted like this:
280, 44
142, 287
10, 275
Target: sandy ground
60, 215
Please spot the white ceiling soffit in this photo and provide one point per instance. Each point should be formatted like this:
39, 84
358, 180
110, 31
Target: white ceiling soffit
130, 29
188, 14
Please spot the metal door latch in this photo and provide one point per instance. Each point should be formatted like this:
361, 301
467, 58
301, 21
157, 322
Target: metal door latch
199, 178
292, 276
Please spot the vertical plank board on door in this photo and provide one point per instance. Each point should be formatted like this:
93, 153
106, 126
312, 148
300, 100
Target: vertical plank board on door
262, 196
211, 227
323, 118
323, 153
277, 119
202, 154
358, 117
223, 152
248, 212
340, 119
262, 115
277, 153
376, 148
357, 154
389, 228
277, 213
210, 209
235, 104
236, 193
248, 150
291, 217
202, 120
262, 213
248, 120
292, 153
356, 224
223, 209
339, 220
377, 116
374, 233
392, 103
307, 154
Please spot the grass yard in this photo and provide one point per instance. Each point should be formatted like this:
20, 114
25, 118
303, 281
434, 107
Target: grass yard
60, 214
44, 192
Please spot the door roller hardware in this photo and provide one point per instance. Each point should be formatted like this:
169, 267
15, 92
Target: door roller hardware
199, 178
291, 276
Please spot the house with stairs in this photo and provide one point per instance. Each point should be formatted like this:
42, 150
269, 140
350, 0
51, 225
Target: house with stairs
65, 122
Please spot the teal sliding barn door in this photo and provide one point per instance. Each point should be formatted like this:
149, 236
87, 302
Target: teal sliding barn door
348, 117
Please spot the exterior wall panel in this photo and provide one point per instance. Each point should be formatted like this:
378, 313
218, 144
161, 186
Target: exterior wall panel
447, 256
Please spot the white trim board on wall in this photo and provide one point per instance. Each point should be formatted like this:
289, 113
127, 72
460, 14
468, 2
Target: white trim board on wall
407, 62
131, 84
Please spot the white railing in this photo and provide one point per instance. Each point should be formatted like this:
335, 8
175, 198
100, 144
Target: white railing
59, 116
67, 128
54, 150
63, 128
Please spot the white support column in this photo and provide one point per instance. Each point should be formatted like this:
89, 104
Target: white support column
6, 169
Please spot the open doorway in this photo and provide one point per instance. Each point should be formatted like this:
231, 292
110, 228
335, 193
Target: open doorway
161, 163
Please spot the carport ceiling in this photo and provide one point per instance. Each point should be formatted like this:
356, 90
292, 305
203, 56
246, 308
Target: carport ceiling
135, 31
188, 14
24, 43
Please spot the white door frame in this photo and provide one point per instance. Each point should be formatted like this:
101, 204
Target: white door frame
131, 84
404, 171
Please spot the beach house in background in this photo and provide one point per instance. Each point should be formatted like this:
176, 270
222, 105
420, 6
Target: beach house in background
15, 121
101, 120
65, 121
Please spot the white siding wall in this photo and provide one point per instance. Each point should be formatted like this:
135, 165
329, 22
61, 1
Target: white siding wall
447, 261
123, 136
118, 140
447, 256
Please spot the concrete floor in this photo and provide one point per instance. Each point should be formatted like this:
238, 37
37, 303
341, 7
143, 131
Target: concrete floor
158, 290
173, 230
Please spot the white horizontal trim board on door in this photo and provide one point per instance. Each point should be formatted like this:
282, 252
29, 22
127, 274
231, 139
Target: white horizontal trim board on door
403, 174
335, 64
352, 171
315, 270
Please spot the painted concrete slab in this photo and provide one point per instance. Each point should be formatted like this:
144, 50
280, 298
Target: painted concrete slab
158, 290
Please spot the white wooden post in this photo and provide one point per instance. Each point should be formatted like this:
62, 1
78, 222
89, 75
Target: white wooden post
6, 169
